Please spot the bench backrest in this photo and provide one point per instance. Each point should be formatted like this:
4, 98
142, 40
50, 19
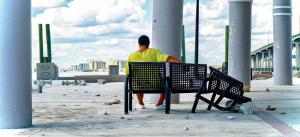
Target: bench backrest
147, 77
187, 77
220, 82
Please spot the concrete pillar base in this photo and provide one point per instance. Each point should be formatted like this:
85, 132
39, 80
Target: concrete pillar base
246, 88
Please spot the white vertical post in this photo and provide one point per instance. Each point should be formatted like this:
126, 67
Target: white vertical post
298, 55
15, 52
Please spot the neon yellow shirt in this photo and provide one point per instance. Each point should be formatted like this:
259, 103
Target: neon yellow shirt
149, 55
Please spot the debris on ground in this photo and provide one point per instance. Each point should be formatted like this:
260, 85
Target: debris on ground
115, 101
283, 113
74, 82
122, 117
230, 117
103, 112
82, 83
186, 129
101, 81
98, 95
244, 108
269, 108
108, 103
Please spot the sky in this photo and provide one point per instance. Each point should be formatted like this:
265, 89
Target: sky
108, 29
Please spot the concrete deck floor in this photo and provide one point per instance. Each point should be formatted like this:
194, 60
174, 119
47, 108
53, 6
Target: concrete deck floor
76, 111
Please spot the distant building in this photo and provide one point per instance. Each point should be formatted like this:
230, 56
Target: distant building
91, 64
113, 62
83, 67
122, 64
95, 65
100, 65
74, 67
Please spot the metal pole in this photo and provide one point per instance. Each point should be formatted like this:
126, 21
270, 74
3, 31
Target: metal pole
197, 34
41, 43
226, 42
183, 45
48, 37
15, 58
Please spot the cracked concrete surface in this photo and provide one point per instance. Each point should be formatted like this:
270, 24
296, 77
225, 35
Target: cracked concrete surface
78, 111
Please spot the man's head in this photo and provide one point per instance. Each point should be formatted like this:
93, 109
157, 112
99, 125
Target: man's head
144, 41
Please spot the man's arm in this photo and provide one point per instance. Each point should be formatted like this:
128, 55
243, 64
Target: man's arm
173, 59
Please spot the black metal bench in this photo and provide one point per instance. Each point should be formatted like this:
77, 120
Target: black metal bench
168, 78
224, 86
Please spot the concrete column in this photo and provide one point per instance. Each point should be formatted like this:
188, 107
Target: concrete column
167, 29
15, 69
253, 59
257, 60
260, 60
282, 42
298, 55
270, 58
263, 60
240, 40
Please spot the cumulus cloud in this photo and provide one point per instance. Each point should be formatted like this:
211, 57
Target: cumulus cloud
105, 29
47, 3
92, 28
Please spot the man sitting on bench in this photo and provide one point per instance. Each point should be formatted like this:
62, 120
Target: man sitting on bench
146, 54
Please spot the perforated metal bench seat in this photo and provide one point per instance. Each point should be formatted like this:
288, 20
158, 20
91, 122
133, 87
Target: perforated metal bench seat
153, 78
226, 87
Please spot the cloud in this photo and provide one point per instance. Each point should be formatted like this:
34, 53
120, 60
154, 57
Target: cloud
91, 27
46, 3
104, 29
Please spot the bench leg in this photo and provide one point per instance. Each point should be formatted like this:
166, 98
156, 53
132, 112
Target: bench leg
168, 99
219, 100
126, 100
216, 104
130, 100
195, 103
211, 101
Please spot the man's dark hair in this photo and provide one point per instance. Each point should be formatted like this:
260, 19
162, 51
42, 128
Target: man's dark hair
144, 40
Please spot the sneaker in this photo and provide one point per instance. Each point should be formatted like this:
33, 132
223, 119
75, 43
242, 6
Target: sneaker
139, 106
160, 107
